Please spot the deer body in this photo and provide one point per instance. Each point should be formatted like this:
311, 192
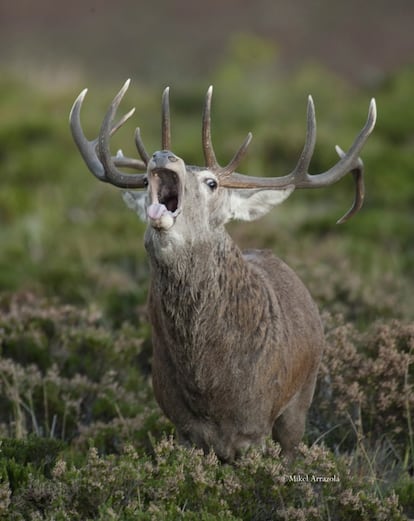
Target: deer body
237, 338
233, 350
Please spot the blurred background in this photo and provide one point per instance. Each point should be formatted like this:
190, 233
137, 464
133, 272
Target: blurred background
161, 41
263, 58
75, 350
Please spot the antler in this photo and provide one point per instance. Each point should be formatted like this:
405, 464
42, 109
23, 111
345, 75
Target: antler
96, 153
299, 177
97, 156
208, 150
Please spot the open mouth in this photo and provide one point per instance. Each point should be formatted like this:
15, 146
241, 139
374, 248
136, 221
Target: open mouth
165, 194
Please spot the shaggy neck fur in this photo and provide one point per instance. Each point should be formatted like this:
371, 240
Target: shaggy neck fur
204, 292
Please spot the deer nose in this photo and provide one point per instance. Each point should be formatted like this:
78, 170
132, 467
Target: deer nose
161, 158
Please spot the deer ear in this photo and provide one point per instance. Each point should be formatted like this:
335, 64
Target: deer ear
248, 205
136, 201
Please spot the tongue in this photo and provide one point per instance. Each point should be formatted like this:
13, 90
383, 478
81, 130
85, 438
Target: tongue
156, 211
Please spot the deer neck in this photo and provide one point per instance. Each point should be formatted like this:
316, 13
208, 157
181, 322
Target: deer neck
194, 294
194, 273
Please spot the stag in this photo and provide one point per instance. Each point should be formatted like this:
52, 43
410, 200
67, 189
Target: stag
237, 339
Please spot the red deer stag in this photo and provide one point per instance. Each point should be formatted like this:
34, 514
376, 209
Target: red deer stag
237, 338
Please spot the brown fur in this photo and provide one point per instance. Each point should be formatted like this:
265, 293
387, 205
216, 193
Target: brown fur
237, 343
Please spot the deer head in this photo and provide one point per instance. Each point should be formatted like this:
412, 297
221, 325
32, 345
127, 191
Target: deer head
186, 199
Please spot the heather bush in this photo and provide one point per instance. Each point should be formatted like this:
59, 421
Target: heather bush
364, 399
366, 384
159, 480
67, 375
180, 483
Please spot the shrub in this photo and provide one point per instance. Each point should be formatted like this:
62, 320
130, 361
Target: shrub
180, 483
365, 386
64, 373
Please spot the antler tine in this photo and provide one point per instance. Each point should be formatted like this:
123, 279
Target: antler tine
140, 146
86, 148
208, 150
166, 121
238, 156
302, 166
120, 159
112, 174
358, 174
123, 120
127, 162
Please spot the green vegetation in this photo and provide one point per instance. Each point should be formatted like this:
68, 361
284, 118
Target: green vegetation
81, 435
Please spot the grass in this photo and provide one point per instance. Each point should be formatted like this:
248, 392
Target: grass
81, 434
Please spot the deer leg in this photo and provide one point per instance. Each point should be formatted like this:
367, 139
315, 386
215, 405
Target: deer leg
289, 427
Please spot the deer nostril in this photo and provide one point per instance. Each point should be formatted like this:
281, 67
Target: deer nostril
162, 156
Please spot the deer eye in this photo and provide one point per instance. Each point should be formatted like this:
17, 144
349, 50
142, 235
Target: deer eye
212, 184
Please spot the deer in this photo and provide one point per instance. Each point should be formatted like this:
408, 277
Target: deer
237, 338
